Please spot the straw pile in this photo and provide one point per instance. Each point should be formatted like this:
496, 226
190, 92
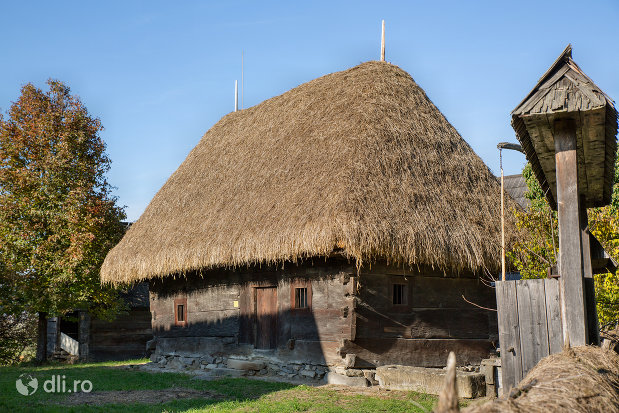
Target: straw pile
583, 379
359, 160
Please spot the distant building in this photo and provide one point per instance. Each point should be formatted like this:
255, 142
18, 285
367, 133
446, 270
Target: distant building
77, 336
516, 187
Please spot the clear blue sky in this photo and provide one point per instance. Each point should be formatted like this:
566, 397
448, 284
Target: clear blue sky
160, 74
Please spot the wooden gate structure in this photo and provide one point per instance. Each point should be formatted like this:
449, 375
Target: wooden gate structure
567, 128
529, 325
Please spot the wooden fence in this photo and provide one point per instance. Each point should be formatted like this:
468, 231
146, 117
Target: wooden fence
529, 317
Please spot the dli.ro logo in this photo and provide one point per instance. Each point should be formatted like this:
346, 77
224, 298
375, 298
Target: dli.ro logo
27, 385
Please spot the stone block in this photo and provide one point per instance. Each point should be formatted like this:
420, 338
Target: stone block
223, 372
429, 380
349, 360
335, 378
245, 364
206, 360
354, 373
370, 375
187, 361
308, 373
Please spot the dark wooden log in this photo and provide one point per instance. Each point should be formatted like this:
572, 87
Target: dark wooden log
41, 355
84, 335
570, 244
593, 323
414, 352
423, 323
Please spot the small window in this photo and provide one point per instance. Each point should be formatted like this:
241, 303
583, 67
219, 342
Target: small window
399, 294
180, 311
300, 297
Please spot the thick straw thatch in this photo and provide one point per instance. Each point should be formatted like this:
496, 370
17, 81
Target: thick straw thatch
359, 160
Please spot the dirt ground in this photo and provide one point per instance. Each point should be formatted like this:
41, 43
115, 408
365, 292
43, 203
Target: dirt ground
137, 396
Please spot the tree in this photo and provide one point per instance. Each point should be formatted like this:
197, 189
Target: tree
58, 218
536, 250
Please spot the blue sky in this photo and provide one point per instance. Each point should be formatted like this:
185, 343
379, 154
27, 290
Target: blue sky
160, 74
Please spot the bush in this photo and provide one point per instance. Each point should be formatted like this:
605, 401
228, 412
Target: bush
17, 337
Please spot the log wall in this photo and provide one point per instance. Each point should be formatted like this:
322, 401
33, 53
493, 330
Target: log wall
122, 339
434, 320
350, 313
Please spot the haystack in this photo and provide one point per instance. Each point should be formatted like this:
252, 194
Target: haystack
359, 161
583, 379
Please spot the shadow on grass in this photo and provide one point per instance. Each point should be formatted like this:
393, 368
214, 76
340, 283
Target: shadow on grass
223, 395
57, 382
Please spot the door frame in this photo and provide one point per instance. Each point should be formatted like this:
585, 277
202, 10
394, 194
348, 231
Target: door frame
255, 289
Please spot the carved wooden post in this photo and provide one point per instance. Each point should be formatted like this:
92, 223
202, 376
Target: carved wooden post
571, 272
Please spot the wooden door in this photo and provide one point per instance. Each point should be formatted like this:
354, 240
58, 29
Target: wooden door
266, 317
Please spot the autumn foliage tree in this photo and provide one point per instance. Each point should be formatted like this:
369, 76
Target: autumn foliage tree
58, 218
538, 242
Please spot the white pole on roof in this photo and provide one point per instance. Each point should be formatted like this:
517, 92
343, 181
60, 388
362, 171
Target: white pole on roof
382, 44
236, 95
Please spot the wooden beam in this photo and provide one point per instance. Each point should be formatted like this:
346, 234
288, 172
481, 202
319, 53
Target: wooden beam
584, 234
573, 309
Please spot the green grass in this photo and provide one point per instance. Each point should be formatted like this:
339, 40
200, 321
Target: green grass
234, 394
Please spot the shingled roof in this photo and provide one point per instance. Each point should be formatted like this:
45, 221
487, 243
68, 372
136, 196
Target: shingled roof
358, 161
566, 92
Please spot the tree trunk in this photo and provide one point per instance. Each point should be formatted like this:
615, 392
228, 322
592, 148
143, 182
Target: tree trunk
42, 338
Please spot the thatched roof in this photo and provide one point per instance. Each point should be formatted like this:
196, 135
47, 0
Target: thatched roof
360, 161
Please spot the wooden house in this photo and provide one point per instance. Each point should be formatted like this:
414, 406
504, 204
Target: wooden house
78, 335
343, 224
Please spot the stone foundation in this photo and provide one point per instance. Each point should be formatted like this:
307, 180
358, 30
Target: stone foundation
215, 357
236, 367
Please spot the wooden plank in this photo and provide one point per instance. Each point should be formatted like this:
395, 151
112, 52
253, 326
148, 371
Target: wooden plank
532, 321
553, 316
509, 334
573, 313
592, 316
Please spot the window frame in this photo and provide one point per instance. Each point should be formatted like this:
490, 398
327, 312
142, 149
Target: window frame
293, 289
178, 302
406, 293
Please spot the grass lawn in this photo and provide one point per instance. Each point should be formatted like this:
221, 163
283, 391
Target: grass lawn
125, 389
